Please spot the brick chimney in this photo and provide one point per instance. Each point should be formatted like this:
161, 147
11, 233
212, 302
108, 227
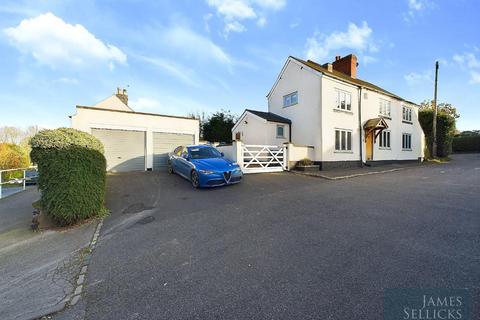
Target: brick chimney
122, 95
347, 65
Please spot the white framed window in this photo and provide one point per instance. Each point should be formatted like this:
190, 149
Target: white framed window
407, 114
343, 100
385, 108
406, 141
343, 140
384, 141
280, 131
290, 99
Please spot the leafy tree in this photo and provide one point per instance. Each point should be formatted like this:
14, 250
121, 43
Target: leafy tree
201, 117
12, 157
446, 117
218, 127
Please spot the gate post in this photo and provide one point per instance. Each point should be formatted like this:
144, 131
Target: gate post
286, 150
237, 152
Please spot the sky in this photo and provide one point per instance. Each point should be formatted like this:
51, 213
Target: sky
193, 56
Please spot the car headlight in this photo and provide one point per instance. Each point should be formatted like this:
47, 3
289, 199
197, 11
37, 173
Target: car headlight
237, 170
206, 171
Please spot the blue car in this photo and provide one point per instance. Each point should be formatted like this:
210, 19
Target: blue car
203, 166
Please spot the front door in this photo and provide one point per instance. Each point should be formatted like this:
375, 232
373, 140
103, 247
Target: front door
369, 146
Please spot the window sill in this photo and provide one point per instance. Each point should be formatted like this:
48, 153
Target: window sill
384, 148
342, 151
385, 117
406, 149
407, 122
280, 137
290, 105
343, 111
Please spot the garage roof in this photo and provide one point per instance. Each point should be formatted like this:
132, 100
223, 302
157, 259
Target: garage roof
134, 112
269, 116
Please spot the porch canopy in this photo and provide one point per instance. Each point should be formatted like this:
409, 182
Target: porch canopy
375, 126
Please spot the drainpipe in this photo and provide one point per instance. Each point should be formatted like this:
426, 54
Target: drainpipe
360, 125
290, 132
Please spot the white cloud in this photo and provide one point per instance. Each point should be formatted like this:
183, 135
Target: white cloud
261, 22
415, 78
53, 42
469, 62
271, 4
475, 77
174, 69
206, 20
234, 26
416, 7
195, 45
66, 80
234, 11
320, 46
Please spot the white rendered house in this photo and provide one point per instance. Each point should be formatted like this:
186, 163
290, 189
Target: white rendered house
347, 121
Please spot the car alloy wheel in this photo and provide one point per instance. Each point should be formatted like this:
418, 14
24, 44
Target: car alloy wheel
195, 179
170, 168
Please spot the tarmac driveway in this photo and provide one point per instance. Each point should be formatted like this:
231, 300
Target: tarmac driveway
283, 246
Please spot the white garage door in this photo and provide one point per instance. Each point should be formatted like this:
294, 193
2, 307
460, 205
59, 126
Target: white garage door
163, 143
124, 150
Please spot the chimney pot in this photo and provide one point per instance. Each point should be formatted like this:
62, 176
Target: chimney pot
337, 58
122, 95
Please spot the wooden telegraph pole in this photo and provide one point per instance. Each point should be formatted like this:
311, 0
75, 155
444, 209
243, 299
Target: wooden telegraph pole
434, 128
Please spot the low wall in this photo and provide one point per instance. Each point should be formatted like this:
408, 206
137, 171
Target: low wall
296, 153
227, 151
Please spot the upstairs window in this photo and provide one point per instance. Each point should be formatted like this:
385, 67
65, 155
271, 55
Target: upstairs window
290, 99
406, 141
343, 140
384, 142
343, 100
407, 114
385, 108
280, 131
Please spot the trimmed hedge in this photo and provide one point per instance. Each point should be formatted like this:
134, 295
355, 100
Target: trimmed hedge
445, 131
466, 144
72, 171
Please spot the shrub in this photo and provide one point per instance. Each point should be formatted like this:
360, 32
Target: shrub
466, 144
305, 162
445, 131
71, 170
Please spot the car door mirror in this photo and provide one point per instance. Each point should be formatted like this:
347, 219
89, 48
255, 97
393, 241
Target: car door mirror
222, 154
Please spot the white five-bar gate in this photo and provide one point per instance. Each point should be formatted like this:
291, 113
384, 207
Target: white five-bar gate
263, 158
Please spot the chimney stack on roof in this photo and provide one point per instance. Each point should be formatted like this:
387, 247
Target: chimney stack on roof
122, 95
347, 65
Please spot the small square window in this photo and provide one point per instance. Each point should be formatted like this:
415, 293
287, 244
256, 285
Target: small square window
290, 99
280, 132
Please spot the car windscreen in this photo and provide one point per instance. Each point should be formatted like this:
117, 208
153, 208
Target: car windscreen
204, 153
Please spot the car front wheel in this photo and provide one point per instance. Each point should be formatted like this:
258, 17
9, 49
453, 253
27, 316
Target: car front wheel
195, 179
170, 168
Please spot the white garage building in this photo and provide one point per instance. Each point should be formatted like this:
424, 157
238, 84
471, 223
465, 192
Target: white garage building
134, 140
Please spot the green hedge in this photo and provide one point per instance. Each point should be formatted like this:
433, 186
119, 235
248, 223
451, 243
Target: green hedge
71, 169
445, 131
466, 144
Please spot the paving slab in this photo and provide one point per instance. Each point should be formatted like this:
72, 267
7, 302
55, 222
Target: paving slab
38, 269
